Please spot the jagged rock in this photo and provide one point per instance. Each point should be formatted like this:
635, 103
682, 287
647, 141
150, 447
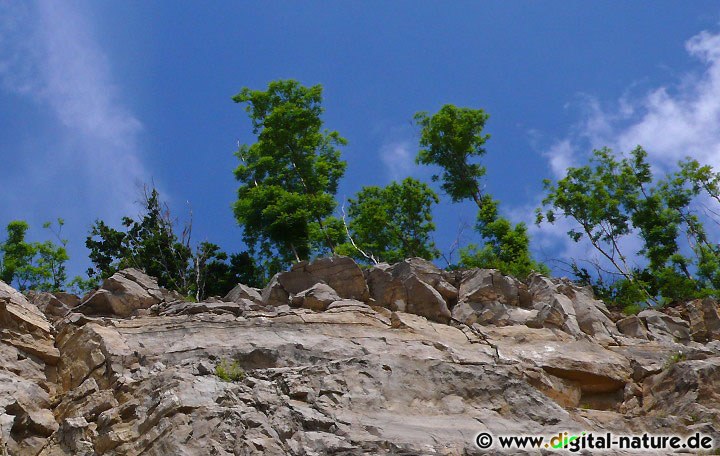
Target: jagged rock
243, 292
686, 389
702, 315
402, 287
123, 294
489, 285
54, 305
274, 293
340, 273
632, 326
664, 327
427, 272
23, 326
571, 309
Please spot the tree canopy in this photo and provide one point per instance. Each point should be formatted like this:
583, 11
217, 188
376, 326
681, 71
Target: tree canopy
451, 139
289, 176
391, 223
614, 198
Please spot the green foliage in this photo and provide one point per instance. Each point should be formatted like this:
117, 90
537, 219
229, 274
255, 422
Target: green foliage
149, 244
229, 371
614, 198
506, 248
450, 139
290, 175
16, 253
675, 358
37, 265
632, 309
152, 245
391, 223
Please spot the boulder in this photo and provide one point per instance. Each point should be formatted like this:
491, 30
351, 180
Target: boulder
318, 297
665, 327
403, 287
122, 294
340, 273
489, 285
241, 291
632, 326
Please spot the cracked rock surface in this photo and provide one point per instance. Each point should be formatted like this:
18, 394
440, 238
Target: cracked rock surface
330, 360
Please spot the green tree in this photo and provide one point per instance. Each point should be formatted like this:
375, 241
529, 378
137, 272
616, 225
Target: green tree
506, 245
149, 244
155, 244
451, 139
391, 223
290, 175
37, 265
613, 199
16, 253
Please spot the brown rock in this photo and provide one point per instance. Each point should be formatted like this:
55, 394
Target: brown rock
122, 294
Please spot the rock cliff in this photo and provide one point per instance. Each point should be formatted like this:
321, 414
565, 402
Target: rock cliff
333, 359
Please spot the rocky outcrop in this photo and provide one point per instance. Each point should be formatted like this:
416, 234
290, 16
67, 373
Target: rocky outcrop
27, 355
414, 286
123, 294
413, 360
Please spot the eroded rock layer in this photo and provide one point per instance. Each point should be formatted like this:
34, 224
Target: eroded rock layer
331, 359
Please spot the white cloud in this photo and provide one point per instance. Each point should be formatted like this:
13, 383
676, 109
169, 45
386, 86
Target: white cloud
50, 56
671, 122
83, 159
398, 158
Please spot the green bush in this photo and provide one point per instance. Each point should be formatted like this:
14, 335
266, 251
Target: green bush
229, 371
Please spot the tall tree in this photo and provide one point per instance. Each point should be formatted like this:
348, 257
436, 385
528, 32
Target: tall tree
615, 198
290, 175
391, 223
452, 139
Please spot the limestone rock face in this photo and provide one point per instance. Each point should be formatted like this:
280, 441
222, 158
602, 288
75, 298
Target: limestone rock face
123, 294
340, 273
322, 364
415, 286
27, 354
54, 305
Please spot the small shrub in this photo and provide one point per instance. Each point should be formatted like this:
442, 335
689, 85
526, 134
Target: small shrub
675, 358
229, 371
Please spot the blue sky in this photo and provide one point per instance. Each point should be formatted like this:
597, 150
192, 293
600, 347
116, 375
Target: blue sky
98, 97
